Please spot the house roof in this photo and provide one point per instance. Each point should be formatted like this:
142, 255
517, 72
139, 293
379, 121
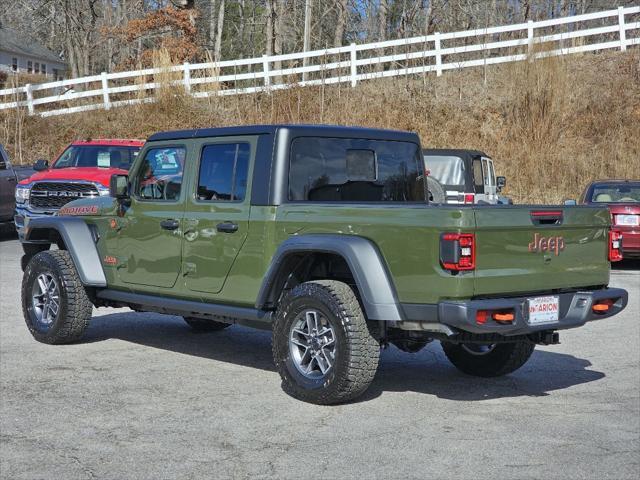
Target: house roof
21, 44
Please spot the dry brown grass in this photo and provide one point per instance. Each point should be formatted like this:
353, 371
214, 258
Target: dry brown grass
551, 125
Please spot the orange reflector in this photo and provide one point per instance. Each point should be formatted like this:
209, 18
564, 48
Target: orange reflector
503, 317
600, 307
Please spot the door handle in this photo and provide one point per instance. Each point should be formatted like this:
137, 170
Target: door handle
169, 224
11, 179
227, 227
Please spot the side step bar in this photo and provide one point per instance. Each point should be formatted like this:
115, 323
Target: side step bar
188, 308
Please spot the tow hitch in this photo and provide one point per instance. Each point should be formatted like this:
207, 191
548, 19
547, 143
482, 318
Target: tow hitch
545, 338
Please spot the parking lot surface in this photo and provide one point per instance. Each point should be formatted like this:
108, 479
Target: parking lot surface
143, 397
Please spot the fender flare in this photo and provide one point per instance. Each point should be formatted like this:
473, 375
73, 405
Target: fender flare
79, 242
374, 283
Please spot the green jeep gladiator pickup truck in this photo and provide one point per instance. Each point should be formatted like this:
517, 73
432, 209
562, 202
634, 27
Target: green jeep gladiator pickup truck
324, 235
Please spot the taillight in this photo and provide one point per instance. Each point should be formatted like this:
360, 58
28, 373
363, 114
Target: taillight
458, 251
615, 246
469, 198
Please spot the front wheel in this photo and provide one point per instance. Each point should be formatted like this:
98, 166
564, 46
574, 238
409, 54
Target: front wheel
55, 304
483, 360
322, 345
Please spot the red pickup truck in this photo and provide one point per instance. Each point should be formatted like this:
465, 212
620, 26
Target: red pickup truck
82, 170
623, 199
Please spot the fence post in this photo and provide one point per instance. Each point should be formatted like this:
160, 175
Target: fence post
187, 78
623, 34
354, 67
265, 70
105, 91
29, 92
436, 42
530, 39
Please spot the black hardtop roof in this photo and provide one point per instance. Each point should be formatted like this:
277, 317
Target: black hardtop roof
294, 130
465, 154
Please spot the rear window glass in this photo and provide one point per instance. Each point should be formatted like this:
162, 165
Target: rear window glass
97, 156
616, 193
448, 170
355, 170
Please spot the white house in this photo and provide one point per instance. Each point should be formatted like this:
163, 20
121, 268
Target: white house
21, 54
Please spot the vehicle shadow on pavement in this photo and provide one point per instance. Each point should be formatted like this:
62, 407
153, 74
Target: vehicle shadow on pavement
430, 372
427, 372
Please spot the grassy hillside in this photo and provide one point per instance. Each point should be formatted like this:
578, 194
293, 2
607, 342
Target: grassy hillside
550, 125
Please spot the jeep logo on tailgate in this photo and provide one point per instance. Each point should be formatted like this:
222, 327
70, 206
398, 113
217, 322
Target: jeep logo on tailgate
546, 244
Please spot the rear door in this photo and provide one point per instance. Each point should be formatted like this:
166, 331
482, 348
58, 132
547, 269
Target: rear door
530, 249
217, 213
150, 239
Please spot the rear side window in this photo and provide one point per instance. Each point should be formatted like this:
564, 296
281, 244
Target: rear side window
223, 172
355, 170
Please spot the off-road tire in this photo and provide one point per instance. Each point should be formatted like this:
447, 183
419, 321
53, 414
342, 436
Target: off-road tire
357, 350
505, 358
436, 191
201, 325
31, 250
74, 311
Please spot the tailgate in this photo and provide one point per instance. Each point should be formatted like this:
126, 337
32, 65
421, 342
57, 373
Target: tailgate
536, 249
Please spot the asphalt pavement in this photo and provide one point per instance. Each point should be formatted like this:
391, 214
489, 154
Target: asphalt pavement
143, 397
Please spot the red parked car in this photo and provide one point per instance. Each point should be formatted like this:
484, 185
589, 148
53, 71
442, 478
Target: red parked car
83, 169
623, 199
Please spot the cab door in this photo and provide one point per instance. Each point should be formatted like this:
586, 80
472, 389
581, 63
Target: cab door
150, 237
216, 221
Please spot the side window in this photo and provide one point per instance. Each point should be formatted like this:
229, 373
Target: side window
492, 173
160, 174
222, 175
478, 177
67, 159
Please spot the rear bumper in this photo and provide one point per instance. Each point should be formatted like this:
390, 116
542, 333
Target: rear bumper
575, 311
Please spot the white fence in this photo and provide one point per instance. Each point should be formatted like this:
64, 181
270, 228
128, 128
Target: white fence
612, 29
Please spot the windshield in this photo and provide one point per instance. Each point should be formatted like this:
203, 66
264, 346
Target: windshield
106, 156
447, 170
616, 193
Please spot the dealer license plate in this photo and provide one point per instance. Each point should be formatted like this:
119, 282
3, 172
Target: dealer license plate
543, 310
629, 220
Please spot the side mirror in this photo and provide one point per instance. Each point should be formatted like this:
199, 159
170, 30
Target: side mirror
41, 165
119, 186
570, 201
501, 182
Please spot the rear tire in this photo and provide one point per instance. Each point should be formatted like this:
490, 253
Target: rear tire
322, 345
201, 325
55, 304
500, 359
